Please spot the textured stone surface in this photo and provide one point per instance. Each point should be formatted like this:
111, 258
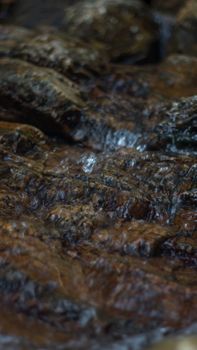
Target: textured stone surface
98, 234
133, 238
177, 131
73, 58
36, 94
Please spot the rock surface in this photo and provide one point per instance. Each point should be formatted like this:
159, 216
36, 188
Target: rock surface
123, 28
184, 36
98, 175
178, 344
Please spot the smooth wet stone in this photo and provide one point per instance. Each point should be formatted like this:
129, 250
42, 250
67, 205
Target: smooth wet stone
39, 96
53, 104
124, 29
109, 122
67, 55
118, 107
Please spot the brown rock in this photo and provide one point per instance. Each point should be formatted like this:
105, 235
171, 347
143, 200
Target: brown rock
67, 55
40, 97
132, 238
184, 36
176, 344
123, 28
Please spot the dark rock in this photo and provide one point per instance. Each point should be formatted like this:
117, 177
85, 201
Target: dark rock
183, 247
132, 238
178, 130
171, 79
168, 6
21, 138
13, 34
98, 218
54, 49
124, 29
40, 97
184, 33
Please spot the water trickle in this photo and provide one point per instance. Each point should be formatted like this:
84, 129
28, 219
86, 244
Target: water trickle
88, 161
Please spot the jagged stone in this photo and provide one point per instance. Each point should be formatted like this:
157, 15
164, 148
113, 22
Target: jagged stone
177, 131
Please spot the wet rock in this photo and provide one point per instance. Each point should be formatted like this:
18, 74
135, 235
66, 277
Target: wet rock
118, 104
123, 28
52, 103
174, 78
57, 182
183, 247
54, 49
13, 34
69, 230
171, 79
133, 238
118, 192
109, 123
177, 344
76, 224
184, 34
177, 131
122, 280
9, 35
21, 138
98, 218
39, 96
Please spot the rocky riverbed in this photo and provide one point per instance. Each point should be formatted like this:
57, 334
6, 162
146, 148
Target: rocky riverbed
98, 175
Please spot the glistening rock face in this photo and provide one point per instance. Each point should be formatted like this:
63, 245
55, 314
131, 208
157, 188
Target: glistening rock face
97, 180
41, 93
178, 130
